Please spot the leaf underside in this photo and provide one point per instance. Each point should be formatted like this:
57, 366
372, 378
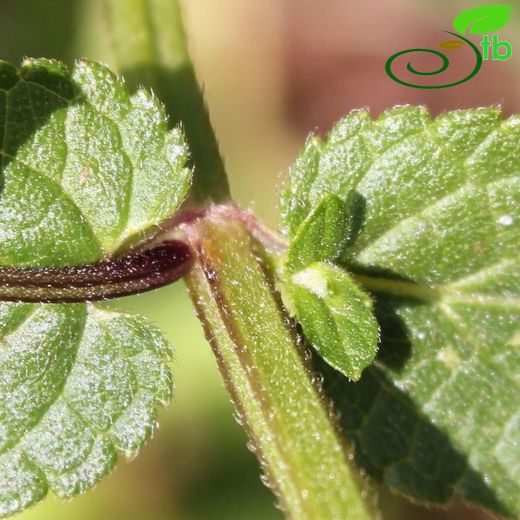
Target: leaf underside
86, 171
436, 239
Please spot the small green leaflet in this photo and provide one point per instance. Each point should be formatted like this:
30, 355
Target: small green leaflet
435, 239
336, 316
322, 236
86, 171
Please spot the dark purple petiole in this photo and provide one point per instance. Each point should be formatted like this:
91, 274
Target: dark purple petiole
122, 276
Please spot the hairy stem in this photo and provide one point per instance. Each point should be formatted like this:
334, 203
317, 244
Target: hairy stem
151, 49
258, 352
267, 374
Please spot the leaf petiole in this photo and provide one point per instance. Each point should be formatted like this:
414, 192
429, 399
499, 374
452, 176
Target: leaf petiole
122, 276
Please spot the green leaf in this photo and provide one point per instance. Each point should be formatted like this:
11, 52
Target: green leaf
483, 19
77, 384
336, 317
322, 236
86, 169
438, 247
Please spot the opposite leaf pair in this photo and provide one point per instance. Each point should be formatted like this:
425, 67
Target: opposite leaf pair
87, 170
424, 214
335, 315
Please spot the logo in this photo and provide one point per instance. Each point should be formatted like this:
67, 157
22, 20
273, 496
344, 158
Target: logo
481, 20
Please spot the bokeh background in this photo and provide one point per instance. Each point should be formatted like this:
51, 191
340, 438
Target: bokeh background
273, 71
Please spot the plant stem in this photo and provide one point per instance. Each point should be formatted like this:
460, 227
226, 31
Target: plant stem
263, 363
151, 49
268, 376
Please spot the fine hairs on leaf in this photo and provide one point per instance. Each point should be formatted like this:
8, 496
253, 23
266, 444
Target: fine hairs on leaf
77, 384
403, 238
335, 314
437, 247
87, 170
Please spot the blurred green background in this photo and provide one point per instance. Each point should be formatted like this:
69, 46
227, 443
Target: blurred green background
272, 72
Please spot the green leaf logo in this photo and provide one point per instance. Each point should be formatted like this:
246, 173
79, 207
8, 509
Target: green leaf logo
484, 19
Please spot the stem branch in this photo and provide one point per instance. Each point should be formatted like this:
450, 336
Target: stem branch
263, 363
